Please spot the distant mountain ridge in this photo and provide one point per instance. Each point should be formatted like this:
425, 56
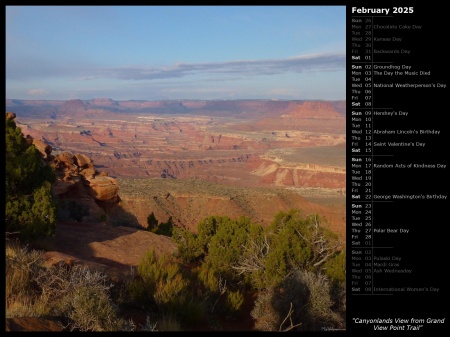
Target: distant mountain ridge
244, 107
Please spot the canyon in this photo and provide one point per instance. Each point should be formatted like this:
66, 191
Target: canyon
188, 159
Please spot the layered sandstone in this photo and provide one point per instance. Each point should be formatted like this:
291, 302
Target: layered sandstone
296, 145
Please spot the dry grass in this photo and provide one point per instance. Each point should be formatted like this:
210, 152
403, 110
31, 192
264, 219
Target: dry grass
73, 292
22, 266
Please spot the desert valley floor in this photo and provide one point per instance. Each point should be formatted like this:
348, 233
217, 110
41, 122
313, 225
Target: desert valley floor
191, 159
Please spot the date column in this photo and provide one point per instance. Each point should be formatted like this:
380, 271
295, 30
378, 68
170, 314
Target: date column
360, 124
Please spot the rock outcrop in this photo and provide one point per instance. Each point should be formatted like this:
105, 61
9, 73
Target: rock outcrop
103, 188
73, 105
82, 193
44, 148
10, 116
80, 189
79, 168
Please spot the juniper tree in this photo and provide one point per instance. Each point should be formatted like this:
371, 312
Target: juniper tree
30, 208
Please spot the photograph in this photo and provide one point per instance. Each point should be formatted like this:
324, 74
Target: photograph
186, 168
175, 168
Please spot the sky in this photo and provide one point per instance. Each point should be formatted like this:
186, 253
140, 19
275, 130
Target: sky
175, 52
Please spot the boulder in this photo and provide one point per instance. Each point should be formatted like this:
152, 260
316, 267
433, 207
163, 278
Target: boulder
43, 148
67, 159
89, 173
83, 161
103, 188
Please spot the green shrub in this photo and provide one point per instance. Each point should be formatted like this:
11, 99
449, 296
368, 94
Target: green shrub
234, 302
290, 242
165, 228
171, 292
207, 276
30, 209
189, 249
226, 246
161, 282
335, 268
152, 223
